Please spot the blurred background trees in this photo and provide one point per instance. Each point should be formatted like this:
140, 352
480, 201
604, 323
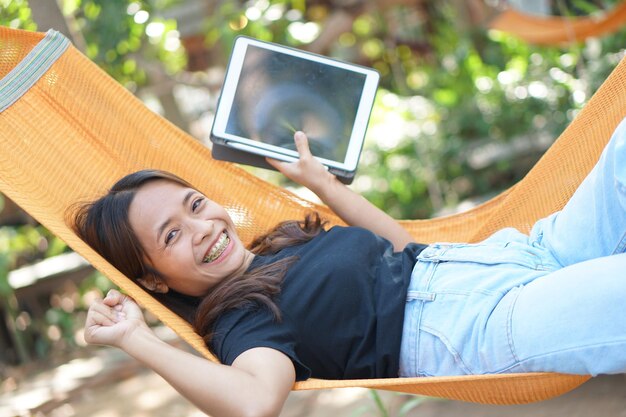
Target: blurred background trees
462, 112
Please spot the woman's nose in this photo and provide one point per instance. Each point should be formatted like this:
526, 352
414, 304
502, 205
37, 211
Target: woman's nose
202, 228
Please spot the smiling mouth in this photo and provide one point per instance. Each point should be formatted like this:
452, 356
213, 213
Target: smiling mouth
217, 249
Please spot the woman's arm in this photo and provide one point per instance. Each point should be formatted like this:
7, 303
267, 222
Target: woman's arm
351, 207
256, 385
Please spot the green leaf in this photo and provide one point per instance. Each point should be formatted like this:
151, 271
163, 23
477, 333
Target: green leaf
410, 405
359, 411
379, 403
5, 287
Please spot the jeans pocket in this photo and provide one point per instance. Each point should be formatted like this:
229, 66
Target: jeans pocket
437, 355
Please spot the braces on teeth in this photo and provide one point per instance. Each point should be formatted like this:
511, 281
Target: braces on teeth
219, 247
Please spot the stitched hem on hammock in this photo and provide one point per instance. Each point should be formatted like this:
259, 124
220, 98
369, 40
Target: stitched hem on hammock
30, 69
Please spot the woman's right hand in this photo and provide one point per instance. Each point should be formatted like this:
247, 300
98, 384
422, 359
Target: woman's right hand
113, 320
307, 170
351, 207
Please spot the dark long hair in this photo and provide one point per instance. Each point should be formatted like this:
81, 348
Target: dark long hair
105, 226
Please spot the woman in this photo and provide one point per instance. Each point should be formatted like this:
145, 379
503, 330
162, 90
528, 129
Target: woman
361, 301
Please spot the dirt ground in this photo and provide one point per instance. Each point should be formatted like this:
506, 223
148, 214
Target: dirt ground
105, 382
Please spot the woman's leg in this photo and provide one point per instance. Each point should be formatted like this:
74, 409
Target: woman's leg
567, 322
593, 223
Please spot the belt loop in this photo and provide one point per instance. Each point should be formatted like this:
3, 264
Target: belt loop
420, 295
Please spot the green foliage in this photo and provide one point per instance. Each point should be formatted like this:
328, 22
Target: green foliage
5, 287
21, 245
26, 244
504, 90
124, 36
272, 21
16, 14
67, 313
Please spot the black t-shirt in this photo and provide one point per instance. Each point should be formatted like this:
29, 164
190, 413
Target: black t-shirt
342, 304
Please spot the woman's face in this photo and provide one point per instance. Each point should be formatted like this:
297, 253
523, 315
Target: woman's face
190, 240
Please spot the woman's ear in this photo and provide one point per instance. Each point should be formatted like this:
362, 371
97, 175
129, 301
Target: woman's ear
153, 283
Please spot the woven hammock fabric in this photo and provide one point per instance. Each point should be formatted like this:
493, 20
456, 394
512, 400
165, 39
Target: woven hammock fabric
559, 30
68, 131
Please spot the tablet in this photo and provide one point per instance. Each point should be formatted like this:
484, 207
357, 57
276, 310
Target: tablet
271, 91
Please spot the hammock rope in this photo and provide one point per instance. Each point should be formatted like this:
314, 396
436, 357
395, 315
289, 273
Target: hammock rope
559, 30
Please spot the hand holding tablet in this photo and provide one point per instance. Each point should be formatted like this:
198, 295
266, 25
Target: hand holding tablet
306, 170
272, 91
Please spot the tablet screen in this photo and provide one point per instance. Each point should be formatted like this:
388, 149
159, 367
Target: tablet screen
278, 94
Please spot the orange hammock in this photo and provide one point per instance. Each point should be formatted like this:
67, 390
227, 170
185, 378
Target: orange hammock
67, 131
559, 30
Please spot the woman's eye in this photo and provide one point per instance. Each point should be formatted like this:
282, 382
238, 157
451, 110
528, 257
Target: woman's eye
171, 235
196, 203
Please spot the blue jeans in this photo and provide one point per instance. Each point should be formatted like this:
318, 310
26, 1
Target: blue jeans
554, 300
